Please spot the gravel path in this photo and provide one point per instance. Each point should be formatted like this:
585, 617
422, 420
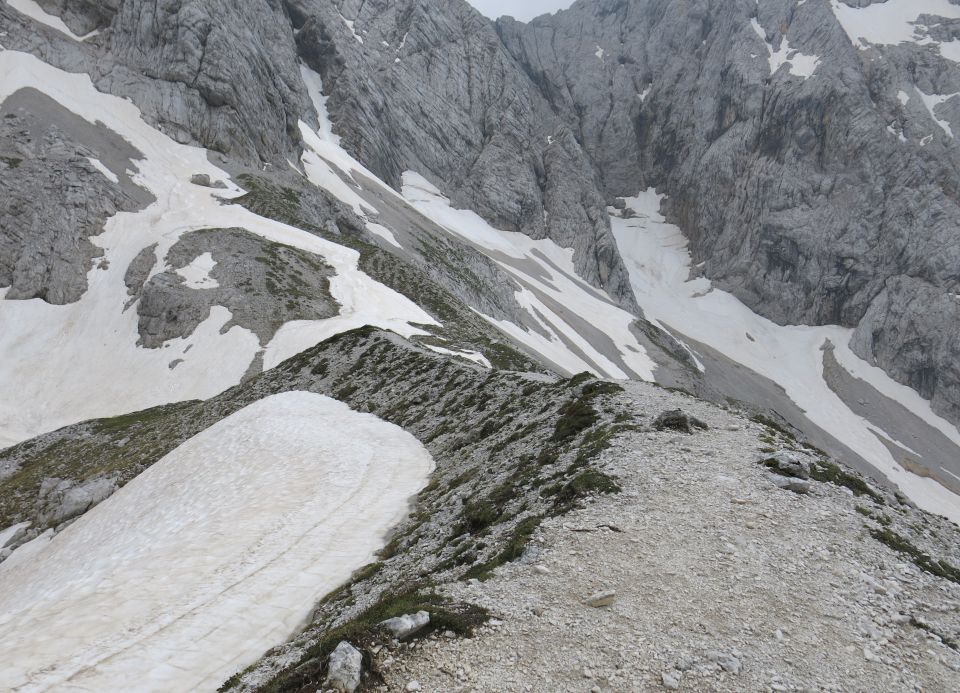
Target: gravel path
723, 581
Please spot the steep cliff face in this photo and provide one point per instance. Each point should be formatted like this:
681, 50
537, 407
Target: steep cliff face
429, 86
817, 179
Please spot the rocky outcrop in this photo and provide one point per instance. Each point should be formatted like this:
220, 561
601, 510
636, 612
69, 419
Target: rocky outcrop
262, 284
821, 193
49, 154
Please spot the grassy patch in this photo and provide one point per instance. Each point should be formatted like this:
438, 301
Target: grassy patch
832, 473
923, 560
364, 631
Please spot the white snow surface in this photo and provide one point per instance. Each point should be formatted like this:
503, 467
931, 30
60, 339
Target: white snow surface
108, 174
69, 363
31, 9
931, 101
474, 356
555, 277
655, 254
896, 21
212, 555
799, 64
196, 275
384, 233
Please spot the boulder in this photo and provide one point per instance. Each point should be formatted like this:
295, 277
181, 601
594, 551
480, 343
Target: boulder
677, 420
404, 626
344, 669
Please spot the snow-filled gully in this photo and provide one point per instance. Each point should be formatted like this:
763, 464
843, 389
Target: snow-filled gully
79, 361
211, 556
656, 256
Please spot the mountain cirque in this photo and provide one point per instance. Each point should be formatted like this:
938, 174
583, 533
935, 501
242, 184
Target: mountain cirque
211, 208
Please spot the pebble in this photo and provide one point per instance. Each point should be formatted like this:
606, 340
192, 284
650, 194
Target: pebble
601, 599
671, 680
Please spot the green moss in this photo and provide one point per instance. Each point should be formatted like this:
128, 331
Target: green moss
922, 560
512, 550
576, 416
832, 473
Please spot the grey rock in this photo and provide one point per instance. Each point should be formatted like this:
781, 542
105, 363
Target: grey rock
203, 179
793, 191
787, 463
45, 152
492, 145
601, 599
65, 499
263, 284
677, 420
404, 626
798, 486
344, 668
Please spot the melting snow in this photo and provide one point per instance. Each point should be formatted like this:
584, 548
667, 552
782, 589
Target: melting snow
31, 9
384, 233
97, 164
656, 256
800, 64
931, 102
896, 21
474, 356
212, 555
350, 25
543, 269
79, 361
196, 275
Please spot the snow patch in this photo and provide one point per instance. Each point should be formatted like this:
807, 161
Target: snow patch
31, 9
655, 254
196, 275
384, 233
474, 356
350, 25
73, 362
211, 556
563, 308
800, 64
931, 102
108, 174
896, 21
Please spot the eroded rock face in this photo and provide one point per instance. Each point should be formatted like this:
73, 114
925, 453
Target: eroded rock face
262, 284
430, 87
50, 154
812, 193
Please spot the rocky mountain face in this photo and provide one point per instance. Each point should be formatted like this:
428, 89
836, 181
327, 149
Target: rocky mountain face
818, 190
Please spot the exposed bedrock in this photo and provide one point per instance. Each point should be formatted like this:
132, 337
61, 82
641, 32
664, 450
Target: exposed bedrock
262, 284
805, 191
429, 86
78, 170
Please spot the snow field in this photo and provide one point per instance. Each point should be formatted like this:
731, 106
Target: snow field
212, 555
655, 253
544, 268
79, 361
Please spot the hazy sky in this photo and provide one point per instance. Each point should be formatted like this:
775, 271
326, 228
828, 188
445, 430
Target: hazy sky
524, 10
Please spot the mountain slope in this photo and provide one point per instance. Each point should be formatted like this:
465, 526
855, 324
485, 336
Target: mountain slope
815, 173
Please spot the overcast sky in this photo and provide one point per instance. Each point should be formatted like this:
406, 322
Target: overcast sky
524, 10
